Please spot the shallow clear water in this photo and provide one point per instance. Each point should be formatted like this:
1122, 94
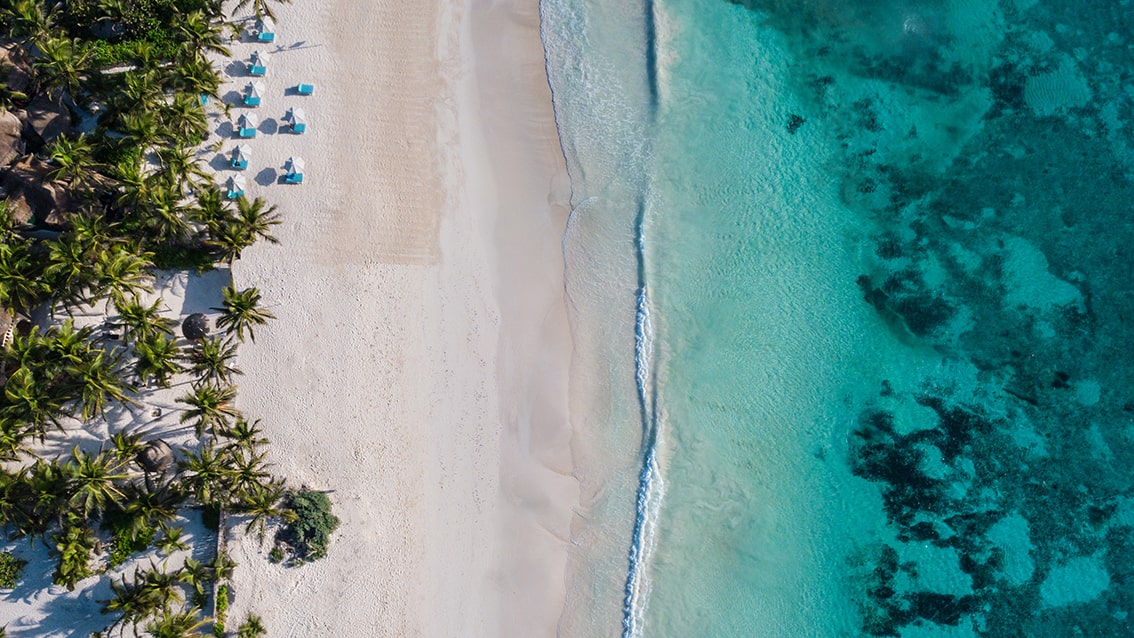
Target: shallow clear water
881, 249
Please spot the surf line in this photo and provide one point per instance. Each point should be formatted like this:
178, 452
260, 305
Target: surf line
650, 483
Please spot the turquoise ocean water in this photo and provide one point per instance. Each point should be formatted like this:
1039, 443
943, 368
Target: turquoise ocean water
850, 292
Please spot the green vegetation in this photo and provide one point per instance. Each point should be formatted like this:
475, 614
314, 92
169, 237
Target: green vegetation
88, 218
221, 611
311, 526
252, 627
11, 570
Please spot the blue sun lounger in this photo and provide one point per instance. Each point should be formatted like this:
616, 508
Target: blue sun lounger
305, 89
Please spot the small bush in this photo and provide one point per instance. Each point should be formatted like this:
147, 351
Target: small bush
11, 569
276, 555
124, 545
313, 525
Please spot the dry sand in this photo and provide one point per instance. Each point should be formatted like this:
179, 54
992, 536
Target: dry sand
417, 369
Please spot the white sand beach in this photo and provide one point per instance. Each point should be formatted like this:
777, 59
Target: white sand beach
417, 369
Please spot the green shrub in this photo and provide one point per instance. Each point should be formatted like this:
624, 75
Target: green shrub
124, 544
11, 569
312, 527
221, 611
276, 555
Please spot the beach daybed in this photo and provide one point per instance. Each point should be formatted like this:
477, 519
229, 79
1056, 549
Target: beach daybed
294, 171
236, 185
296, 120
265, 30
240, 156
305, 89
258, 63
246, 125
253, 93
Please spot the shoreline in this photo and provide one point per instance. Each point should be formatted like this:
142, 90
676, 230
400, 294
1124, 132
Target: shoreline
418, 365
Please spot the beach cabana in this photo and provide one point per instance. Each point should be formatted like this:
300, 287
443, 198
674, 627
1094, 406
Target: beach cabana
294, 171
240, 156
157, 456
265, 30
305, 89
258, 63
296, 119
246, 125
196, 326
235, 186
253, 92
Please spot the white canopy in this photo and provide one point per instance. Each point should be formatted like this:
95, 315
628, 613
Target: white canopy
295, 116
259, 59
248, 120
254, 89
296, 165
242, 152
265, 25
237, 182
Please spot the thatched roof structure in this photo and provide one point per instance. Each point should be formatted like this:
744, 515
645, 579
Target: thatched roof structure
195, 327
157, 456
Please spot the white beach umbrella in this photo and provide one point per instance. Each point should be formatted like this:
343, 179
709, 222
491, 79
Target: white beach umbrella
236, 183
258, 59
248, 120
255, 89
295, 116
242, 153
265, 25
296, 165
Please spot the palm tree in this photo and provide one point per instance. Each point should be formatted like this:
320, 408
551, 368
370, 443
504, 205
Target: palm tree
241, 311
20, 286
245, 434
210, 406
184, 118
196, 76
73, 159
207, 474
212, 360
196, 575
126, 445
141, 322
122, 272
31, 403
179, 167
257, 218
164, 214
262, 502
92, 478
69, 270
246, 471
98, 381
142, 128
261, 7
202, 35
177, 624
145, 507
150, 591
157, 359
222, 567
61, 64
29, 21
252, 627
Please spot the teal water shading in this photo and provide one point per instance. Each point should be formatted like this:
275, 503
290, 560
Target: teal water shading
882, 246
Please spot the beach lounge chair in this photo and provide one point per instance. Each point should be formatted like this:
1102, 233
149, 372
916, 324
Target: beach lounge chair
305, 89
294, 171
296, 120
235, 186
258, 63
253, 92
240, 156
265, 30
246, 125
